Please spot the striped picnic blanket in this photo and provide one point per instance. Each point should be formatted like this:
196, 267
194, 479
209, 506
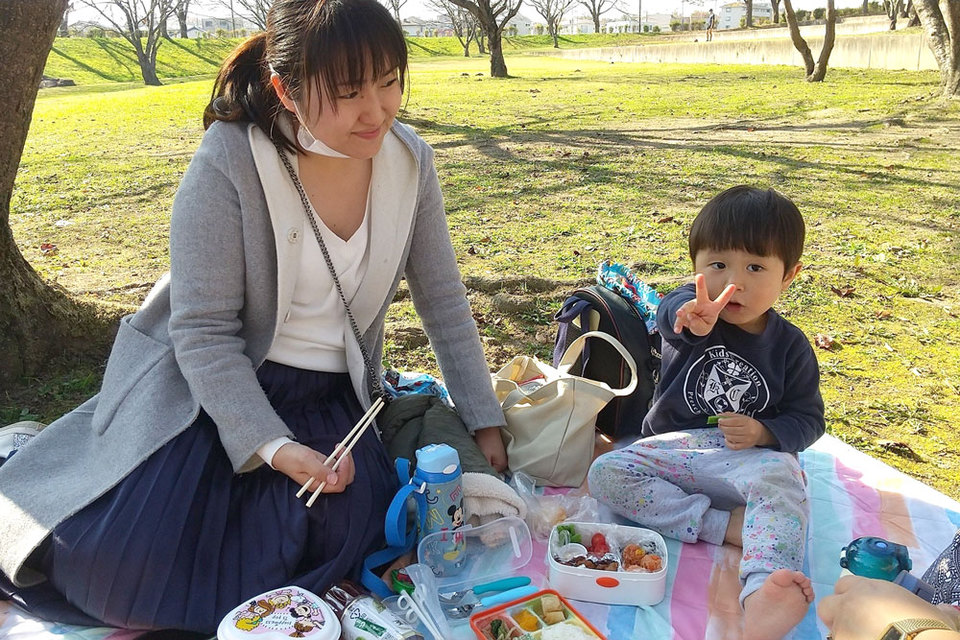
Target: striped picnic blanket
852, 495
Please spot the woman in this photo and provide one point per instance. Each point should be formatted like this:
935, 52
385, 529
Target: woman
149, 506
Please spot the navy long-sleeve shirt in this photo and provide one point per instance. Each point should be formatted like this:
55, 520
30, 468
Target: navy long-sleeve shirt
772, 377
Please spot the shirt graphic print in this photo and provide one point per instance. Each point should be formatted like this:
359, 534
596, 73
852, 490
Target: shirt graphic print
720, 381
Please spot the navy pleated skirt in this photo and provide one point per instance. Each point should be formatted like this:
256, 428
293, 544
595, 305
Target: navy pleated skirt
182, 540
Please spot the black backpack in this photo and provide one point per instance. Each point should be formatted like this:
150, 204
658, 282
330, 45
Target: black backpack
600, 361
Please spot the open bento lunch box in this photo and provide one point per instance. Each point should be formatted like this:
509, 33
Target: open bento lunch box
607, 563
280, 614
545, 615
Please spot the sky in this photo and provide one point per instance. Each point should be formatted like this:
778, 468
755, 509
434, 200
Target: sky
214, 8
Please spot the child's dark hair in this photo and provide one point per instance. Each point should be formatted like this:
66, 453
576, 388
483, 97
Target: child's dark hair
333, 42
761, 222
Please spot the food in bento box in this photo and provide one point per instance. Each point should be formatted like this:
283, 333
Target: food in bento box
598, 545
565, 631
550, 602
526, 620
636, 558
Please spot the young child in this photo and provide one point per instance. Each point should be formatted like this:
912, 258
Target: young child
726, 353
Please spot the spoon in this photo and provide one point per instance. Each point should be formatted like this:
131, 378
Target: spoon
454, 598
464, 610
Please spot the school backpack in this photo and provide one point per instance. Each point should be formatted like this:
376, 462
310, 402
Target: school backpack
597, 308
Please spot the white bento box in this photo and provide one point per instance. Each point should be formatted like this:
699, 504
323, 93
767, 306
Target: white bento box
640, 586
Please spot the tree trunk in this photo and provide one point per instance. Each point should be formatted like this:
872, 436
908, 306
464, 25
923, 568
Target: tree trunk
829, 37
64, 31
38, 323
776, 11
943, 36
798, 42
749, 13
554, 28
866, 7
182, 19
596, 22
498, 68
148, 70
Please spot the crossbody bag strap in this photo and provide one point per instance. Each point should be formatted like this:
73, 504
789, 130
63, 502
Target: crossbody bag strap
375, 386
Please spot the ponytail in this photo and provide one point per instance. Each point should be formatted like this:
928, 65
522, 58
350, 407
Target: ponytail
242, 91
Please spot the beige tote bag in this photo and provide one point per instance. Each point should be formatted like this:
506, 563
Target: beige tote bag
551, 413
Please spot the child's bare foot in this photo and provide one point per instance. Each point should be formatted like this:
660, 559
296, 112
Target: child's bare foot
779, 605
734, 534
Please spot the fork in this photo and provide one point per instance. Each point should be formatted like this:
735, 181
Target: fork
454, 598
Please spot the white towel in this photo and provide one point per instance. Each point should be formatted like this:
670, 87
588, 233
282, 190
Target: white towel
486, 498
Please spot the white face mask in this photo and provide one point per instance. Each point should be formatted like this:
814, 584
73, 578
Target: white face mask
309, 142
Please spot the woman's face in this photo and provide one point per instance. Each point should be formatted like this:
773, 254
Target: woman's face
361, 119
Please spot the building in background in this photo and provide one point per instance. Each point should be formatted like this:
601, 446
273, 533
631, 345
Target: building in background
731, 13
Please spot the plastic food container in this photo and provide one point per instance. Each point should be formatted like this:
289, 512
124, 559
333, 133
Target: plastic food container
279, 615
645, 585
545, 615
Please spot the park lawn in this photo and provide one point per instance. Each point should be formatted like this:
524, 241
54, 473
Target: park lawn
567, 163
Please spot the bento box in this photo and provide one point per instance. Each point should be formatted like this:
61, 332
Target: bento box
545, 615
279, 614
607, 563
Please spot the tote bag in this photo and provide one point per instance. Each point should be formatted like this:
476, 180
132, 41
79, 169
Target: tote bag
551, 413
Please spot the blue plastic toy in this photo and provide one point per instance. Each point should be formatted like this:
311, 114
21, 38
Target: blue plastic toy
873, 557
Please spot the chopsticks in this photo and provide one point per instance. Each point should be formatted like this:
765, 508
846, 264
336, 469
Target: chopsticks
343, 448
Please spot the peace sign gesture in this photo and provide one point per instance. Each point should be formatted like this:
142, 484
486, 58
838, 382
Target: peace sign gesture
700, 314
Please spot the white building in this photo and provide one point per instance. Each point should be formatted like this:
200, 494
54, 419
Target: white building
434, 27
522, 25
730, 14
577, 24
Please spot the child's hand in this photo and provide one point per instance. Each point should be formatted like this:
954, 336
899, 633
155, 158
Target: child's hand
700, 314
491, 444
743, 432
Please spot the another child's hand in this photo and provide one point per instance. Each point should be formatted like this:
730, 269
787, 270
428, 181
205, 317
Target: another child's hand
300, 462
743, 432
700, 314
491, 444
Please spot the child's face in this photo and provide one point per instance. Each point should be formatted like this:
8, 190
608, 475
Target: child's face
759, 281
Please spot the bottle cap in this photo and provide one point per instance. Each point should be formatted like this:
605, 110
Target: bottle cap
438, 458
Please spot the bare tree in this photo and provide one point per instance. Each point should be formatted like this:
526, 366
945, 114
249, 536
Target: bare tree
816, 71
552, 12
596, 9
64, 31
492, 16
465, 26
254, 10
38, 323
181, 8
395, 6
142, 24
943, 35
893, 9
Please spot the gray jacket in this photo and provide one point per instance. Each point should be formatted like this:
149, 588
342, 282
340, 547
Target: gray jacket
203, 331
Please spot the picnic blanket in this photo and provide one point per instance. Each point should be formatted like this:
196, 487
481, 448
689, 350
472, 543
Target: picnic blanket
852, 495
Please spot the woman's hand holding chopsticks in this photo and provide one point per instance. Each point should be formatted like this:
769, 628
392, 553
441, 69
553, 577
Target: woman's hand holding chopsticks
301, 463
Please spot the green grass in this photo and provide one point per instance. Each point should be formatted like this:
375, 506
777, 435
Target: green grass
570, 162
95, 61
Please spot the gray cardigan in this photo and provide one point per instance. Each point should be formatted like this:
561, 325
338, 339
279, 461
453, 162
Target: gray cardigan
203, 331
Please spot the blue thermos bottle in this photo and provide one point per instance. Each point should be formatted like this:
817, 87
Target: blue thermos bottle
438, 470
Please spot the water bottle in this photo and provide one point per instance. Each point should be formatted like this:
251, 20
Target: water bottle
438, 471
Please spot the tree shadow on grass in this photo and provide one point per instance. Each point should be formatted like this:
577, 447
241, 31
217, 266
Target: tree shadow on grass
433, 52
86, 67
196, 53
596, 155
